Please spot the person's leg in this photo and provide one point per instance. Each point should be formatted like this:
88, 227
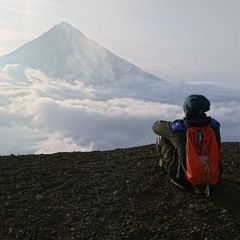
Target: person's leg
166, 151
160, 162
168, 161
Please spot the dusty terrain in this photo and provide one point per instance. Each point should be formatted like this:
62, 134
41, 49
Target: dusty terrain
118, 194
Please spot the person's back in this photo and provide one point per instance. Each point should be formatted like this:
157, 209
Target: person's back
172, 140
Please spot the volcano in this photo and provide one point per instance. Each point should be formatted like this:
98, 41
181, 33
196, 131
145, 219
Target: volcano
64, 52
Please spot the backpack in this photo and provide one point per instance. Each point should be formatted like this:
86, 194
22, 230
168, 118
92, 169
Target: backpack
202, 158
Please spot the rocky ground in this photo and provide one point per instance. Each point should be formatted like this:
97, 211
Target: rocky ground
119, 194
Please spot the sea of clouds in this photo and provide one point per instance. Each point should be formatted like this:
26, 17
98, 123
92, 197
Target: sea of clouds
44, 115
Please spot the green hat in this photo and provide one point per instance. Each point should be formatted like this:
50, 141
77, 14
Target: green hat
196, 104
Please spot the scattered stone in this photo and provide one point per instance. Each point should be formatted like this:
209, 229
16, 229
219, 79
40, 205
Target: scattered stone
106, 195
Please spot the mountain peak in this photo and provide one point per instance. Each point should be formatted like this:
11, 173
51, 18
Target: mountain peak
64, 52
64, 24
65, 27
64, 31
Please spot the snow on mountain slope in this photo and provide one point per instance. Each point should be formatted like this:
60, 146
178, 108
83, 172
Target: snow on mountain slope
64, 52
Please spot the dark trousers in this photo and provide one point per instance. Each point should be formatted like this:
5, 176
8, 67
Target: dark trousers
166, 151
169, 157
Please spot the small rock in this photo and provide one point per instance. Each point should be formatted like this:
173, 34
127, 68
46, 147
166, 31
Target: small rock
191, 206
39, 197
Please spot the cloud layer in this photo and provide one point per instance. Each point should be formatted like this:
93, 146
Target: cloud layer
43, 115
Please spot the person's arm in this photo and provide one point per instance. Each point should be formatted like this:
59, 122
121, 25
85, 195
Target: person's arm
179, 131
163, 129
180, 137
218, 136
216, 128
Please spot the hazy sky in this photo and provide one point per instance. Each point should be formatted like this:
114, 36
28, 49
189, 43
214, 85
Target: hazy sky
179, 40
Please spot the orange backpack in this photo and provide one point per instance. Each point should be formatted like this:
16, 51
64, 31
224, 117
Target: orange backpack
202, 158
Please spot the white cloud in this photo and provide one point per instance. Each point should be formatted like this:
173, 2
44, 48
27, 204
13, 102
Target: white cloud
228, 114
39, 114
197, 75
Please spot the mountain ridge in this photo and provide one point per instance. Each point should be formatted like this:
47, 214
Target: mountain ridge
64, 52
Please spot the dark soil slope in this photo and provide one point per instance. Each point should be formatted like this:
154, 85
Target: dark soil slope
118, 194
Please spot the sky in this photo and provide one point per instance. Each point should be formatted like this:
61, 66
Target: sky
177, 40
193, 45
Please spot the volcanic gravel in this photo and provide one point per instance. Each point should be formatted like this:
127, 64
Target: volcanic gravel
117, 194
